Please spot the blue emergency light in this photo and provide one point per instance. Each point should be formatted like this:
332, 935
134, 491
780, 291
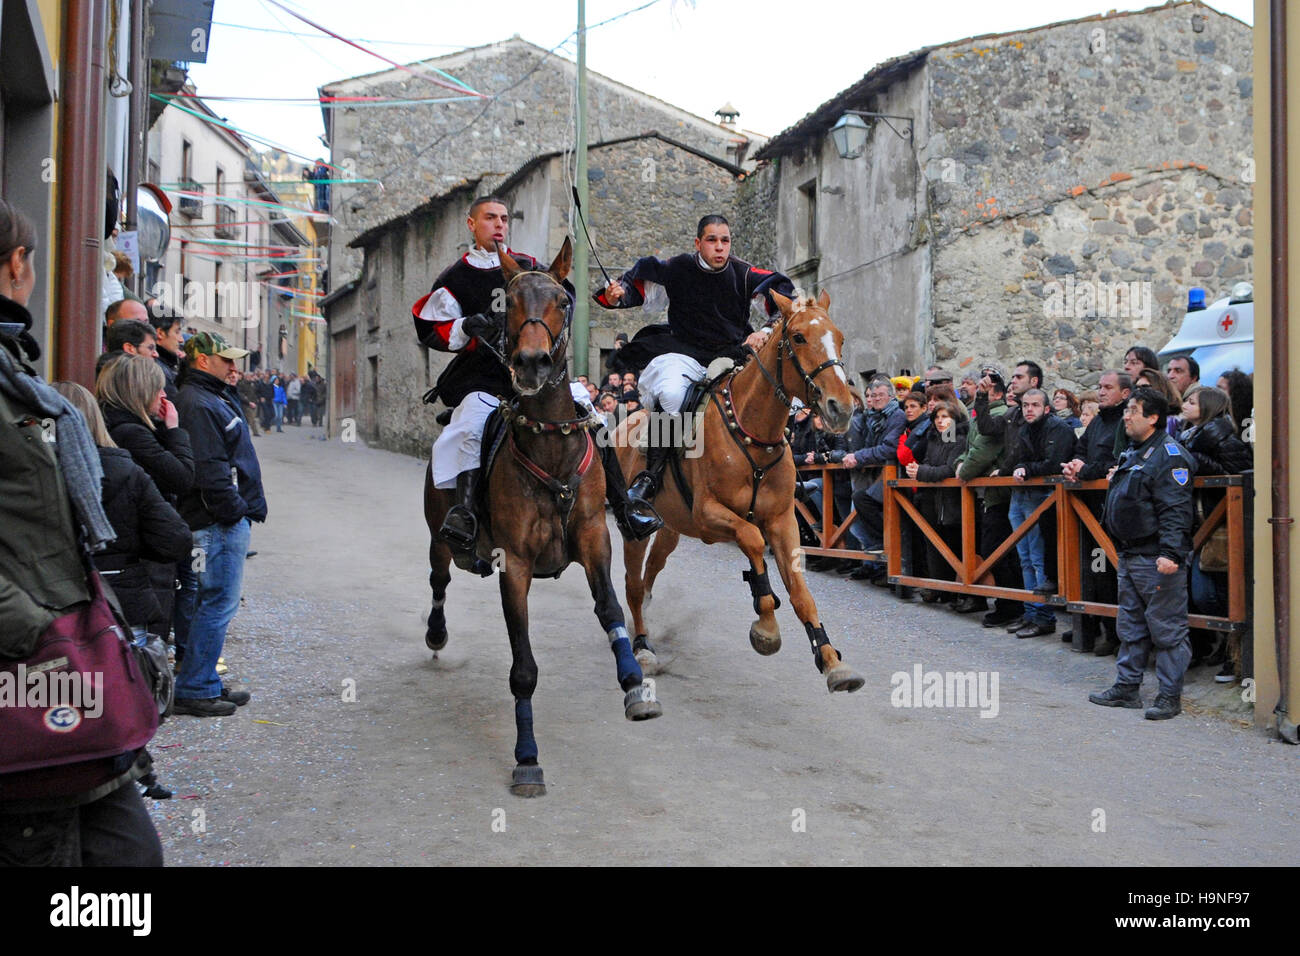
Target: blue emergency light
1195, 300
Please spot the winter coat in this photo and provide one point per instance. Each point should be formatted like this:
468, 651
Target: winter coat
148, 529
912, 441
984, 453
227, 475
1042, 447
164, 453
942, 506
1218, 451
1096, 446
873, 439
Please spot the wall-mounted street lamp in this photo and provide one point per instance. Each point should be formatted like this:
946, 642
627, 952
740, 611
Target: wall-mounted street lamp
851, 130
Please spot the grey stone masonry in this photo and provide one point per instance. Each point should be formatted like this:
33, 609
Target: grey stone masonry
424, 150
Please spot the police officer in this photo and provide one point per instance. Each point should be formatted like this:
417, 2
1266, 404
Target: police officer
1148, 515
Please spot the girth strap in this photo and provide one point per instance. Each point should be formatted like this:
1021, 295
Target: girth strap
757, 472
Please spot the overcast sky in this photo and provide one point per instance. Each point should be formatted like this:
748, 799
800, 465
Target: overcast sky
775, 60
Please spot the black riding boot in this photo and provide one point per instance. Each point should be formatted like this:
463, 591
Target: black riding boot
646, 485
636, 520
460, 527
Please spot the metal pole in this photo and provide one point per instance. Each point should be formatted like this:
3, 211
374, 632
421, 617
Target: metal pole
1281, 519
80, 191
137, 150
581, 277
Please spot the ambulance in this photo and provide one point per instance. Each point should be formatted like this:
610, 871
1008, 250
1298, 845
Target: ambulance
1220, 336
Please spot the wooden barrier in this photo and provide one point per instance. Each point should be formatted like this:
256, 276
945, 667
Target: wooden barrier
1075, 526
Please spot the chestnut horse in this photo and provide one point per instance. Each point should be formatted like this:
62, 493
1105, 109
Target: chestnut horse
545, 503
741, 487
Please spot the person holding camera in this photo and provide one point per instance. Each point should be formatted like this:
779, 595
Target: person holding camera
983, 458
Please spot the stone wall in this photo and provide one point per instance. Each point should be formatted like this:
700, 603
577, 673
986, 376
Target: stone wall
630, 216
1070, 159
422, 151
1077, 284
754, 229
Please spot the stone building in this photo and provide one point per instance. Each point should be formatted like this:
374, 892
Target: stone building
425, 149
647, 193
1050, 193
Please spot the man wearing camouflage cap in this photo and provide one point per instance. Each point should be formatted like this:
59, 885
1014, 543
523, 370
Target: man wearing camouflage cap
226, 496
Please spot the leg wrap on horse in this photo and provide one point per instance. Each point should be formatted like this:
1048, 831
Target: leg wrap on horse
525, 745
818, 639
760, 587
629, 671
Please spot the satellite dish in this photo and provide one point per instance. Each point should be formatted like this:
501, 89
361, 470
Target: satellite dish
154, 226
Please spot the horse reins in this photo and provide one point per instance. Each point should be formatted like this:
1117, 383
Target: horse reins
814, 392
565, 492
737, 431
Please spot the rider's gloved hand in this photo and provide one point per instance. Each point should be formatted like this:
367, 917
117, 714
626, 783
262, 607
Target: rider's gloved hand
486, 327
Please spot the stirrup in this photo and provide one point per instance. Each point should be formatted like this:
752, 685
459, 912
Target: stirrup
453, 534
634, 523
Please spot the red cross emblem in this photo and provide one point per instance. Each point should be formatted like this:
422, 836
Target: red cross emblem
1227, 325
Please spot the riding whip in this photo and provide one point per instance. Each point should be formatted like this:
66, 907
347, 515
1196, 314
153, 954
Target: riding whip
582, 219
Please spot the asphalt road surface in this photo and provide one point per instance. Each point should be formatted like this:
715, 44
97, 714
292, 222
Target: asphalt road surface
359, 748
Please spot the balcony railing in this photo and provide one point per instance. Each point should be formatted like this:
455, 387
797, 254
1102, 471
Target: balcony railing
191, 206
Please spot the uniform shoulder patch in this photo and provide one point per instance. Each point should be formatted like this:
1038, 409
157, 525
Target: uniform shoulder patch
1172, 448
1180, 475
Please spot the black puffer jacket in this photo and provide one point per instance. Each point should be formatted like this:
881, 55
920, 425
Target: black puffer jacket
148, 529
164, 453
938, 461
1042, 447
1217, 449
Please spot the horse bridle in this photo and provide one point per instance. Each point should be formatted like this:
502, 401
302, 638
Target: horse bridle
813, 391
558, 342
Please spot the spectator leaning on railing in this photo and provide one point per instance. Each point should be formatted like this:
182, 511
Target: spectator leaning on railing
1149, 513
1042, 446
874, 445
1094, 456
1212, 440
941, 507
984, 452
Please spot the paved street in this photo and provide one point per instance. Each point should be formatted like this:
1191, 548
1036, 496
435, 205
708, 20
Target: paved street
416, 769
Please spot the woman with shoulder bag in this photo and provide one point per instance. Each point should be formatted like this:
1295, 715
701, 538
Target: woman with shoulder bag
65, 782
1212, 440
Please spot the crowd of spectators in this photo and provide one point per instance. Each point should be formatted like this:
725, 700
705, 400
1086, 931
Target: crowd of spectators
150, 481
998, 425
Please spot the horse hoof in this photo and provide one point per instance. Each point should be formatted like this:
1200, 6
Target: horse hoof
843, 677
640, 704
765, 644
649, 663
435, 632
527, 781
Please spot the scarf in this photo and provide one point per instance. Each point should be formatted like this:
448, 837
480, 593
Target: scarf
76, 452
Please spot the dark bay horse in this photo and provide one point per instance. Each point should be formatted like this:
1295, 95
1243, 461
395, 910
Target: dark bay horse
545, 503
741, 487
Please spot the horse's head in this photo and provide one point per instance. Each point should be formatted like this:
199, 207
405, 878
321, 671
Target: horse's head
812, 343
538, 316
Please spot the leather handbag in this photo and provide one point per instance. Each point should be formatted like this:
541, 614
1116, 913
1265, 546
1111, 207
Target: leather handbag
79, 696
1214, 553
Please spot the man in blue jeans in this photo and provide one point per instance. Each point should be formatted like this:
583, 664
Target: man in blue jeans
227, 496
1043, 445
